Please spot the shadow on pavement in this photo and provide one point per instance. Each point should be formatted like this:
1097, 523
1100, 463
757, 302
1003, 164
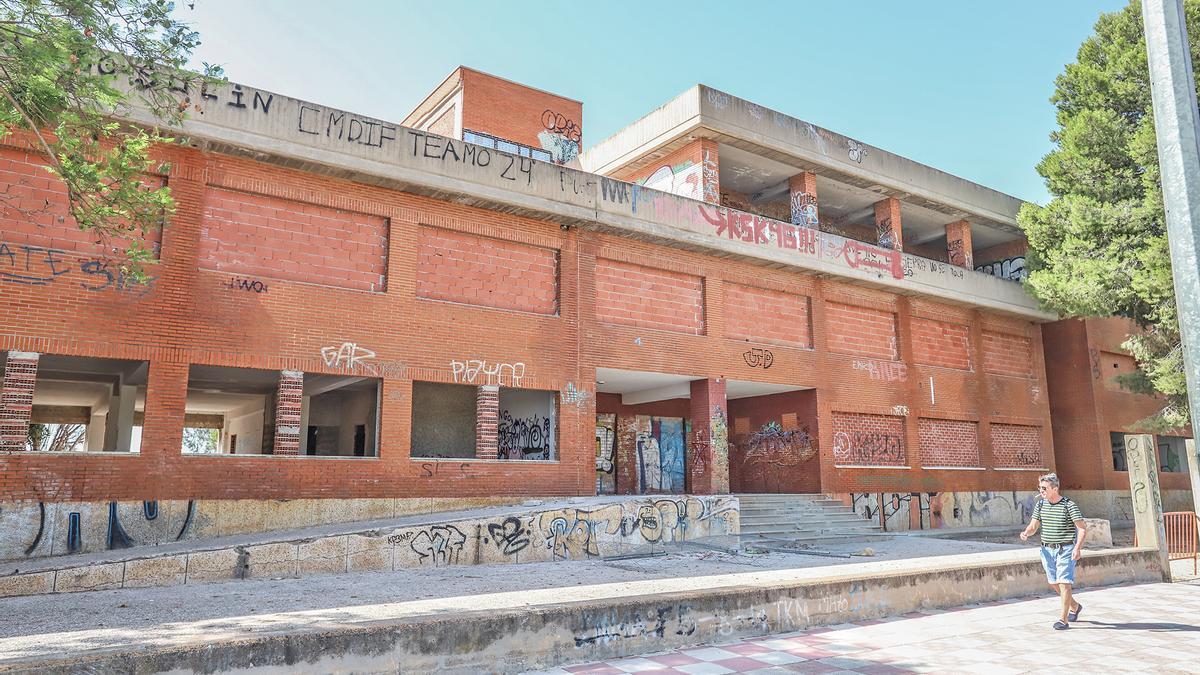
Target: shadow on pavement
1156, 627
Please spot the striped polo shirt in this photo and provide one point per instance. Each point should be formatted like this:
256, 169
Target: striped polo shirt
1058, 520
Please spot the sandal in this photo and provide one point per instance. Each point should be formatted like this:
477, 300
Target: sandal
1061, 625
1073, 615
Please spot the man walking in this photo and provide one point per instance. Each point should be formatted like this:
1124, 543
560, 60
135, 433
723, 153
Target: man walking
1063, 532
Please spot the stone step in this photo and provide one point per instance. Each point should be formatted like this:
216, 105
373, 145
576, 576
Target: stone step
794, 532
766, 520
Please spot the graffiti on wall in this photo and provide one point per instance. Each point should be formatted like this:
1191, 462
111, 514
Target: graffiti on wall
916, 264
524, 438
804, 210
573, 396
710, 178
352, 358
37, 266
858, 255
606, 454
661, 455
886, 235
868, 448
856, 151
560, 137
496, 374
771, 454
956, 253
1012, 269
884, 371
244, 284
682, 179
32, 529
758, 358
574, 534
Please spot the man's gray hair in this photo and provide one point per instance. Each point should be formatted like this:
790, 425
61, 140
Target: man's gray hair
1051, 478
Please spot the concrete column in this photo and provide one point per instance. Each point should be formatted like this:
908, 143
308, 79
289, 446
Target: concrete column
118, 429
958, 244
802, 193
305, 402
710, 475
16, 399
487, 422
887, 224
288, 397
1147, 502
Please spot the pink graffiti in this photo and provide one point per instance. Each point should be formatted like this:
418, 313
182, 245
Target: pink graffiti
756, 229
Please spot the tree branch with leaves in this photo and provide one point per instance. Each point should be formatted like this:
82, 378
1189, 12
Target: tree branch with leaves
1099, 247
69, 70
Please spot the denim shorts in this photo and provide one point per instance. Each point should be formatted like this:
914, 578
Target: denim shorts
1056, 559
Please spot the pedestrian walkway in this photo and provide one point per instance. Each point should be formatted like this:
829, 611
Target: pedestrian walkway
1150, 627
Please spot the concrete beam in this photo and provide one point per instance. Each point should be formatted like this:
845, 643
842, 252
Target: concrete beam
307, 136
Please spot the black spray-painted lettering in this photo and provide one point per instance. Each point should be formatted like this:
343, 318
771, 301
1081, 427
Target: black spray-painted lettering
341, 126
443, 149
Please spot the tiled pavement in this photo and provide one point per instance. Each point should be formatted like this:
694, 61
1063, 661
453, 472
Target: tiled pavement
1148, 628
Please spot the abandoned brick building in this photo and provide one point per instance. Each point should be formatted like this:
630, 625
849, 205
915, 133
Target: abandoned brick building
465, 308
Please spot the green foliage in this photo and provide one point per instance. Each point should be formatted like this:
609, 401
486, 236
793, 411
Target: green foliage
1099, 248
67, 69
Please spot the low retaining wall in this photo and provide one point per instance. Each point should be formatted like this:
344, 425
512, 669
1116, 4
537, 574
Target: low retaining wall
899, 511
32, 529
571, 533
511, 632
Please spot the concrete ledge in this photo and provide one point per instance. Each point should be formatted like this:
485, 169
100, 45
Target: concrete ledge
510, 632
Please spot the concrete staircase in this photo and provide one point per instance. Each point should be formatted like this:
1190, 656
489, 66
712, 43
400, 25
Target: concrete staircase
804, 518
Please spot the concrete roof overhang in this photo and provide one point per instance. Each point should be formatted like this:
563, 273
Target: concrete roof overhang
703, 112
637, 387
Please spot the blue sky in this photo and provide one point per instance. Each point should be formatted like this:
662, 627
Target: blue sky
960, 85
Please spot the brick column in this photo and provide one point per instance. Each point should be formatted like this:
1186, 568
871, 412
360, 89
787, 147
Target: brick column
710, 475
802, 193
487, 421
16, 399
289, 399
887, 224
958, 244
710, 174
626, 455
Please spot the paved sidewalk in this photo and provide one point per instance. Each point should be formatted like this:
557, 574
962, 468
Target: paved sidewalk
1147, 628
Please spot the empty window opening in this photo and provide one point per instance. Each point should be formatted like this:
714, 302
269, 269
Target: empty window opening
85, 404
1172, 457
1117, 440
238, 411
527, 428
443, 420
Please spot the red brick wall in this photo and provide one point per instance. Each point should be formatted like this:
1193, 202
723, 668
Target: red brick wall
475, 270
35, 213
262, 236
868, 440
635, 295
861, 331
1006, 354
16, 398
774, 464
948, 442
938, 343
763, 315
515, 112
1017, 445
190, 316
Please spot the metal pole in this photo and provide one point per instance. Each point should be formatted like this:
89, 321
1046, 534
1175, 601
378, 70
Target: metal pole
1176, 122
